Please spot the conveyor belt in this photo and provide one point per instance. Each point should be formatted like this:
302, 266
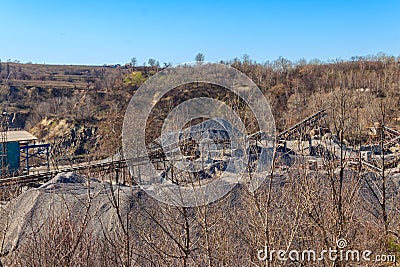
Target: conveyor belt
371, 166
310, 121
155, 156
45, 176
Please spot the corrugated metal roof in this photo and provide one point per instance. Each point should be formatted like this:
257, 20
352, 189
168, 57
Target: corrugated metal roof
19, 136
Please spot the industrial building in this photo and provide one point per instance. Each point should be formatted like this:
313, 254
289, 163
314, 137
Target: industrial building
10, 147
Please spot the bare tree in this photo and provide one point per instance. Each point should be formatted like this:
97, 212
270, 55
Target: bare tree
133, 62
152, 62
199, 57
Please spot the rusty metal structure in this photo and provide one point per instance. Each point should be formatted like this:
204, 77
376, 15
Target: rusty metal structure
391, 137
300, 127
3, 142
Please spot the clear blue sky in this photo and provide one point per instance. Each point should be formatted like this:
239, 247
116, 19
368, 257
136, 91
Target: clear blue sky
100, 32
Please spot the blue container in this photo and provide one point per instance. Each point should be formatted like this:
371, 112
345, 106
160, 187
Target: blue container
12, 158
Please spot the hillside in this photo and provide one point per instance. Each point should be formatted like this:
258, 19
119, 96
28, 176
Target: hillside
79, 109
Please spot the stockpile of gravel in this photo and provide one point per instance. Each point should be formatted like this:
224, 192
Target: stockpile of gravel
78, 201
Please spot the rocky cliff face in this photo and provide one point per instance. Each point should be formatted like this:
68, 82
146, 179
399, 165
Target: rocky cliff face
68, 138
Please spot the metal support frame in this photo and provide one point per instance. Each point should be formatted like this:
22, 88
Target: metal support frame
299, 127
41, 151
3, 140
392, 137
